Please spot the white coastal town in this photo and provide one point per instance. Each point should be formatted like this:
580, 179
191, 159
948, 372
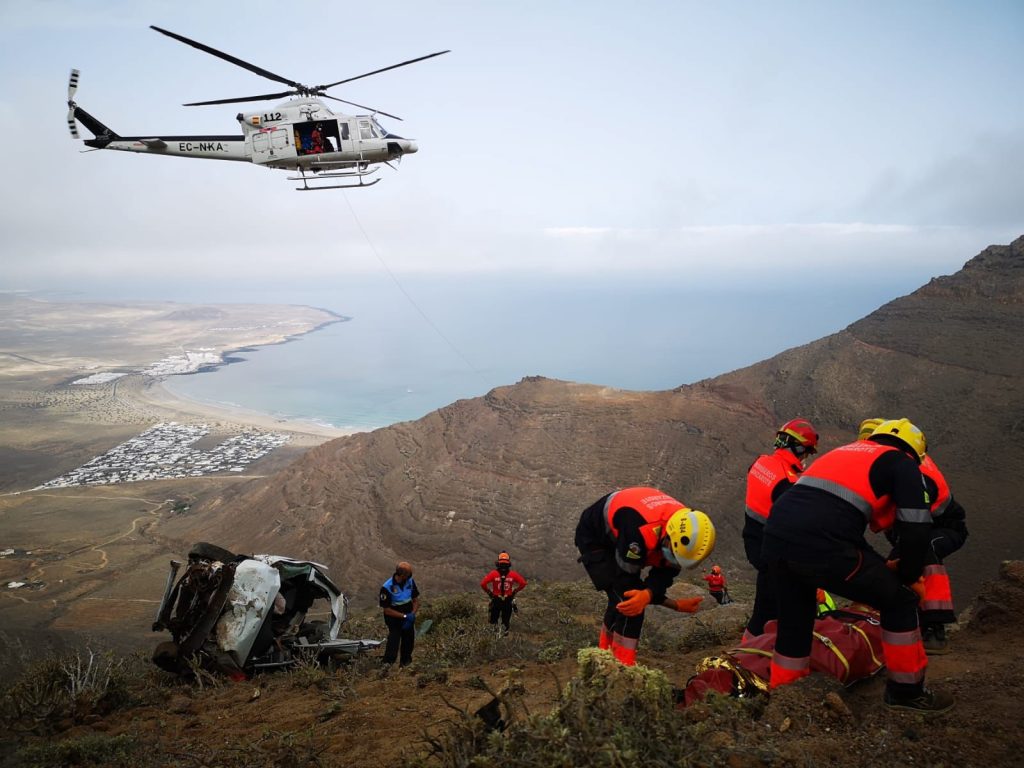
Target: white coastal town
165, 451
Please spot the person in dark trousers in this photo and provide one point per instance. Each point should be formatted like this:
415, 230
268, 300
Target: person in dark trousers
815, 538
949, 533
620, 535
400, 599
502, 585
716, 583
771, 475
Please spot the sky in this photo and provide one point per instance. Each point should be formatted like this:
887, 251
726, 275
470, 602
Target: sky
745, 144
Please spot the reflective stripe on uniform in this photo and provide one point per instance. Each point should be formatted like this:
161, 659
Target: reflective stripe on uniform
753, 515
786, 670
625, 642
910, 515
938, 594
839, 490
905, 659
607, 517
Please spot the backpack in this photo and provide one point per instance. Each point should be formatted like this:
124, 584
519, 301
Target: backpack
847, 646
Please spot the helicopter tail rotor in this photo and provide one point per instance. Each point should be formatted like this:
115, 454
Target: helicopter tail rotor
72, 88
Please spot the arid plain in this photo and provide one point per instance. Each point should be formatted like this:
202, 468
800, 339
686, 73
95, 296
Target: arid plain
90, 558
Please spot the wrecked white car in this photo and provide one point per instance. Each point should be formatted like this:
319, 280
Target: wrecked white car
238, 614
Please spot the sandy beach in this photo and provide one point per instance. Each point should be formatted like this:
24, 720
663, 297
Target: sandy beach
158, 402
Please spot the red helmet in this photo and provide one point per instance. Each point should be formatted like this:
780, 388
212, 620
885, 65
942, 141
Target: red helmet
797, 433
716, 569
503, 559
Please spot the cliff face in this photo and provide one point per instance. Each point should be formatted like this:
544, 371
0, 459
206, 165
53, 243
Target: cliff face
514, 468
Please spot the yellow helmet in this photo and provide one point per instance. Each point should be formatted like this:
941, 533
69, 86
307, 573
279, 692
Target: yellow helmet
691, 537
867, 427
906, 433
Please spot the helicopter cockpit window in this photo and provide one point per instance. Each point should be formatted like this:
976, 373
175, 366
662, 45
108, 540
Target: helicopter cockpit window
379, 129
316, 137
366, 130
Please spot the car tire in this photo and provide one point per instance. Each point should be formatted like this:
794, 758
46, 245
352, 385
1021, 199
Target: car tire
204, 551
166, 657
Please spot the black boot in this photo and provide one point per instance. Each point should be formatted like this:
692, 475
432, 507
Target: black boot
925, 702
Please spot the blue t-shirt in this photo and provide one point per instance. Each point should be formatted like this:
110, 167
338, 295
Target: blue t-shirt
398, 596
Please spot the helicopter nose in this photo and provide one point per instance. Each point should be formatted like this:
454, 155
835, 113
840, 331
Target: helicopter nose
409, 147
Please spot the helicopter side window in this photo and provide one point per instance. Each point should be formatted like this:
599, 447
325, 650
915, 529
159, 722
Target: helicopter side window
344, 131
365, 130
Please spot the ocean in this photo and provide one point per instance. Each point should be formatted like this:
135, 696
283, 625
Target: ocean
413, 347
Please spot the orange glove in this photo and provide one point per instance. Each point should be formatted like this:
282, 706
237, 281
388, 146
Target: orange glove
684, 604
635, 602
918, 587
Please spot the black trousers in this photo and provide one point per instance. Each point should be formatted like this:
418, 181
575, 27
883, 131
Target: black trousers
857, 574
501, 606
399, 639
765, 600
606, 577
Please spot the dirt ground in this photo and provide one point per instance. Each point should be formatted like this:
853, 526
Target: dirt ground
351, 716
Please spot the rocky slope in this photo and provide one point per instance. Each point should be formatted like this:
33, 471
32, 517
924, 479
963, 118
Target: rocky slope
351, 715
514, 468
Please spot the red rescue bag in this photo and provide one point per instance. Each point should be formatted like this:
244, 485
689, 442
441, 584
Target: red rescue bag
847, 646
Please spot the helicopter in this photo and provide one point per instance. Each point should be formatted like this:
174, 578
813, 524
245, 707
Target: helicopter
301, 134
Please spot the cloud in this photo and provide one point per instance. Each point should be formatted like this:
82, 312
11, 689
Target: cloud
980, 185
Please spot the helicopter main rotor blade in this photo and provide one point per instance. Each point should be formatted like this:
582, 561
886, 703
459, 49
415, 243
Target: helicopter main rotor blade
227, 57
361, 106
378, 71
239, 99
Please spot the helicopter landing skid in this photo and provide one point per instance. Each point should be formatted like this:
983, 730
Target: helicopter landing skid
306, 187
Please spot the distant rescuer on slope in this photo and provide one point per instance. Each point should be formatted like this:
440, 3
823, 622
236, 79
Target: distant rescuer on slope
771, 475
400, 599
717, 586
815, 538
626, 531
502, 585
949, 533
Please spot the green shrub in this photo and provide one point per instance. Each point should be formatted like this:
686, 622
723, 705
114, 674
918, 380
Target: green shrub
69, 686
92, 750
607, 715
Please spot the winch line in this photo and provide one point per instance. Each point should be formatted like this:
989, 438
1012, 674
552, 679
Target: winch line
408, 296
431, 323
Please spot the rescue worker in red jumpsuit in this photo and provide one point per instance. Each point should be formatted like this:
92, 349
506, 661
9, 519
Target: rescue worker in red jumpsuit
768, 478
949, 533
620, 535
502, 585
815, 538
716, 583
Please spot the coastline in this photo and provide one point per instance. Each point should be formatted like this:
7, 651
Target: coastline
155, 396
143, 344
